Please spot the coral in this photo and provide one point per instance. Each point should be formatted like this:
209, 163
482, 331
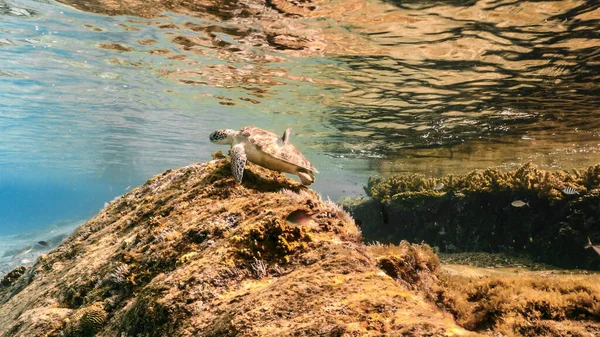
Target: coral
522, 305
545, 184
474, 212
86, 321
338, 212
415, 266
148, 317
75, 295
233, 219
297, 197
272, 238
259, 268
119, 275
92, 319
186, 257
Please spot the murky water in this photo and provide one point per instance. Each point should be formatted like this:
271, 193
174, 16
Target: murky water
92, 105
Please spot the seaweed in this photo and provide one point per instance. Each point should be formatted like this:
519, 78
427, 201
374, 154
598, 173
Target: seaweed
473, 212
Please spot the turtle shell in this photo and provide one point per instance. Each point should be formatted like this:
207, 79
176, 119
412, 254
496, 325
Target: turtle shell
270, 143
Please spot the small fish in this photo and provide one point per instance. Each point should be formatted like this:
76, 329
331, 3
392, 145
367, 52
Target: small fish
520, 203
127, 188
569, 190
438, 187
19, 11
43, 243
589, 245
299, 217
21, 253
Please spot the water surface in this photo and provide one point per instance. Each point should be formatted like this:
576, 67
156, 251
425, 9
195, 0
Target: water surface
92, 105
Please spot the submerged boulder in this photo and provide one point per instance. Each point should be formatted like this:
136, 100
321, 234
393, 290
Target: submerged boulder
191, 253
553, 214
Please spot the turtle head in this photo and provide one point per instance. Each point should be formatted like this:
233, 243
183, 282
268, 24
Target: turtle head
223, 136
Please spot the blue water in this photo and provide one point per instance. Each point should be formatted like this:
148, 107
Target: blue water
80, 124
433, 93
65, 133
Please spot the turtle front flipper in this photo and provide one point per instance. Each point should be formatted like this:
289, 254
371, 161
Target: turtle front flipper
238, 161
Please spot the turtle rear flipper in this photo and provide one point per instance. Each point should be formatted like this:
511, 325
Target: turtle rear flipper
266, 149
306, 177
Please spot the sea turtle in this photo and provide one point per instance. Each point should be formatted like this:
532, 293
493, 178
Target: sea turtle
266, 149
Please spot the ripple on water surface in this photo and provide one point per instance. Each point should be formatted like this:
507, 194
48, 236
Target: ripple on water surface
368, 87
396, 84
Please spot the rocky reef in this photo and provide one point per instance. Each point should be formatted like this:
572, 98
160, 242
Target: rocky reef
190, 253
475, 212
521, 303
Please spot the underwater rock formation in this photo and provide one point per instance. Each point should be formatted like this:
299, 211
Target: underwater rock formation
191, 253
474, 212
10, 278
541, 303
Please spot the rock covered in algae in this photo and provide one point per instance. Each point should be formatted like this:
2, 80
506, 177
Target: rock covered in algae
191, 253
520, 303
12, 277
474, 212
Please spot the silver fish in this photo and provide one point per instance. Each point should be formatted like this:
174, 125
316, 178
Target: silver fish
438, 187
569, 190
21, 253
19, 11
520, 203
589, 245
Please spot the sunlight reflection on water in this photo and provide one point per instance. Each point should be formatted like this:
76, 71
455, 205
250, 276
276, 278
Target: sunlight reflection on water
369, 88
